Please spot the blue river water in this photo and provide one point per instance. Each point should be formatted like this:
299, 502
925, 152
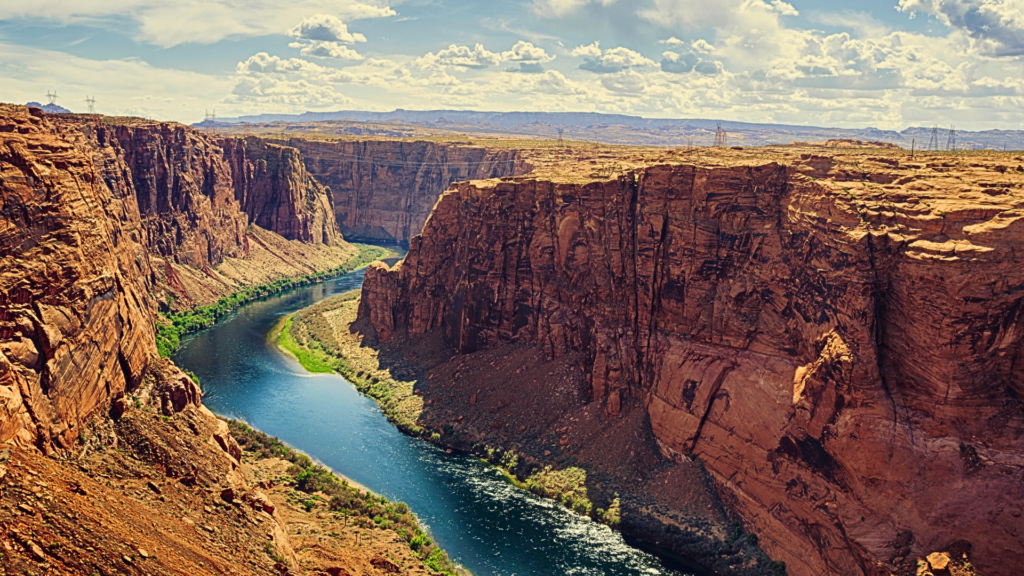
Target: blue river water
487, 525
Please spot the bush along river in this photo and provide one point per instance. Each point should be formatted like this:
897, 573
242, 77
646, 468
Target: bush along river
486, 524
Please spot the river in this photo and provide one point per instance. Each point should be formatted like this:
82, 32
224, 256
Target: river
486, 525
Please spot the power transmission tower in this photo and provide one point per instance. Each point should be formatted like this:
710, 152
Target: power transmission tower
90, 101
211, 121
721, 137
561, 142
933, 144
246, 128
951, 141
52, 97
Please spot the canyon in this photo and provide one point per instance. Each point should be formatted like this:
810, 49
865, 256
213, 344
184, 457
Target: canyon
831, 339
835, 337
384, 190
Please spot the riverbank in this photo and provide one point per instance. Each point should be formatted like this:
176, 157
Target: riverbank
535, 447
357, 529
171, 326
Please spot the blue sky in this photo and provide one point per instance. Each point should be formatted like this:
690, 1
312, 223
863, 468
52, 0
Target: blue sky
883, 63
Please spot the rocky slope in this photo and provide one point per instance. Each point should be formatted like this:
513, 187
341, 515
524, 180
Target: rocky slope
835, 338
101, 220
384, 190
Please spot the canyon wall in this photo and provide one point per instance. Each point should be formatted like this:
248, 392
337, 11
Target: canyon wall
278, 194
98, 218
841, 356
384, 190
76, 326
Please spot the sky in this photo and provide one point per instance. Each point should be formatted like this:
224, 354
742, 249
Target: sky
887, 64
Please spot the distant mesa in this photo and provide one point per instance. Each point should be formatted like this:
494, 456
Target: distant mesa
49, 108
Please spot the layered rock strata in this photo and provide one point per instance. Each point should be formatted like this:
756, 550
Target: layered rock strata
98, 220
836, 339
384, 190
76, 327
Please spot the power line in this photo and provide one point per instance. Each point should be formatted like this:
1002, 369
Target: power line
721, 138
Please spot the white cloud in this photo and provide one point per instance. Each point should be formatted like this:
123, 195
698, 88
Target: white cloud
673, 41
701, 45
329, 50
264, 63
169, 23
266, 90
325, 28
476, 58
526, 52
560, 8
997, 26
608, 61
167, 94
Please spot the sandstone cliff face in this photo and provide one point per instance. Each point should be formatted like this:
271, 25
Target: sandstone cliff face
76, 328
94, 218
383, 191
841, 356
276, 192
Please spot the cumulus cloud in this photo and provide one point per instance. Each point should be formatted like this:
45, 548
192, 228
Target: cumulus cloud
476, 58
560, 8
526, 52
673, 41
266, 90
675, 63
701, 45
328, 50
325, 28
609, 61
997, 25
264, 63
169, 23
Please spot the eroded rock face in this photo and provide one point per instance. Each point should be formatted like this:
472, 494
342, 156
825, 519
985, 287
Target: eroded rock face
384, 191
277, 193
76, 327
843, 365
83, 205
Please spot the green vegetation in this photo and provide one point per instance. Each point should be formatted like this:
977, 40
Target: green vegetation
172, 326
365, 508
312, 362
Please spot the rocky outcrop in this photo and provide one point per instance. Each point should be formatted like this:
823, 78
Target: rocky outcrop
274, 189
76, 329
95, 216
840, 355
384, 190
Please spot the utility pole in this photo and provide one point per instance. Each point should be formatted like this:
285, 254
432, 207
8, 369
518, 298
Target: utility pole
933, 144
721, 138
211, 121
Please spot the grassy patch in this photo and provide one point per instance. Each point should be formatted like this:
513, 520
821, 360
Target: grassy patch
311, 361
362, 506
172, 326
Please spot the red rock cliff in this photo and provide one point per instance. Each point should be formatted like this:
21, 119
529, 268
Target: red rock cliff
83, 205
277, 193
842, 356
76, 329
384, 190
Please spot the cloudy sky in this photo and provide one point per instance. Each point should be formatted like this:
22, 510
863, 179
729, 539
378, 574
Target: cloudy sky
882, 63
